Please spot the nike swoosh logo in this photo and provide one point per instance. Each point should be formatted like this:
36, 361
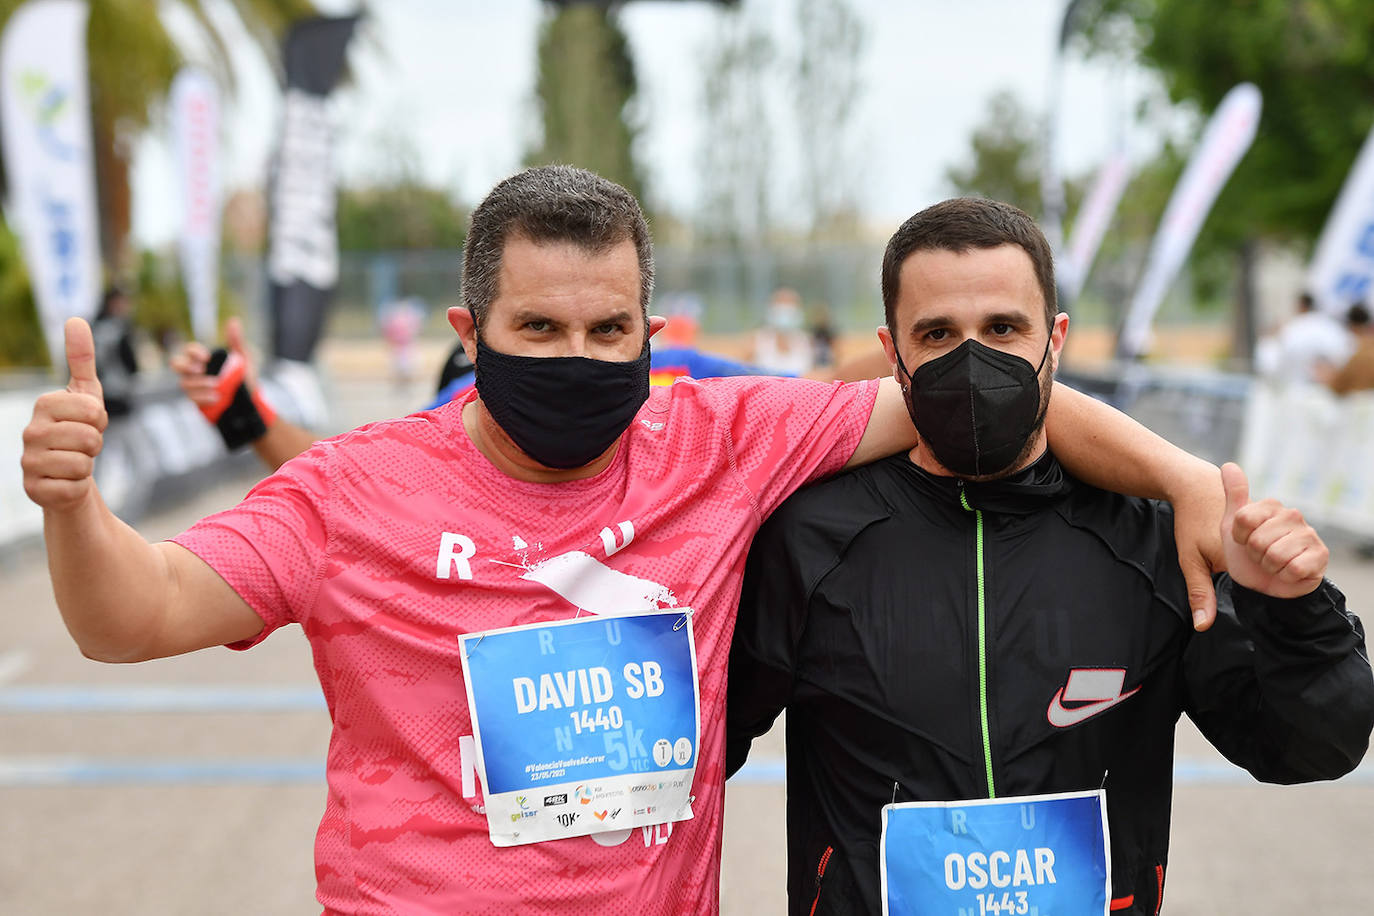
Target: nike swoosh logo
1062, 717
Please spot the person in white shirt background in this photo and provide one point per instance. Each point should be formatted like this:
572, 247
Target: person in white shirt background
1307, 349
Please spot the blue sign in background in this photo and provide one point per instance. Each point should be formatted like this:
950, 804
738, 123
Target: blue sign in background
564, 671
922, 879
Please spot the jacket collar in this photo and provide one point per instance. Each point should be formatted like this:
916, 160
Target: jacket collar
1029, 490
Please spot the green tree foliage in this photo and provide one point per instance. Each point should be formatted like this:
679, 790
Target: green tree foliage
1004, 159
398, 216
160, 304
585, 90
1004, 156
21, 335
1313, 61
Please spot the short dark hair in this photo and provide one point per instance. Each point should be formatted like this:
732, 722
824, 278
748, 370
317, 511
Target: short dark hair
1358, 315
962, 224
552, 203
113, 293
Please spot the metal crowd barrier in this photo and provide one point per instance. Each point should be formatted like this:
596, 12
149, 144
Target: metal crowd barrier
1299, 443
159, 453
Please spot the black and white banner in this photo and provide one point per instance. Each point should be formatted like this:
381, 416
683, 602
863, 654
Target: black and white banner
303, 256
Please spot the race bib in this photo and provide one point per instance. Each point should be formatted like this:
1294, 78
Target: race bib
1036, 854
584, 726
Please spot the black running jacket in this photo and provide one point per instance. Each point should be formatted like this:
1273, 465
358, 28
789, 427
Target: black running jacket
861, 615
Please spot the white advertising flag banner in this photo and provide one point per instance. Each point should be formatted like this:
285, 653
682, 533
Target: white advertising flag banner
1228, 135
1094, 216
1344, 261
46, 116
195, 113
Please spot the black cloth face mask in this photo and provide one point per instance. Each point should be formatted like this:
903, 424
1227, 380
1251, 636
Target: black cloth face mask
975, 407
563, 411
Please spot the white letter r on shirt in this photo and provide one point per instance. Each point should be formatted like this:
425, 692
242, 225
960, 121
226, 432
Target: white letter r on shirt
449, 558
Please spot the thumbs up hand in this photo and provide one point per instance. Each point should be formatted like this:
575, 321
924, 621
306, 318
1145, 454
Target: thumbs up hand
67, 430
1269, 547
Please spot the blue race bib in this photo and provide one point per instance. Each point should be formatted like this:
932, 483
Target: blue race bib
584, 726
1036, 855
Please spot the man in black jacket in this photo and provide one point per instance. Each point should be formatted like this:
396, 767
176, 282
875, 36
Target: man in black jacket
961, 631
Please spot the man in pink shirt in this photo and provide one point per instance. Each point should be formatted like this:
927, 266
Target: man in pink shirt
559, 552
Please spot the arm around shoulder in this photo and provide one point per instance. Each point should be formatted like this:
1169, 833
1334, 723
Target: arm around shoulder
889, 428
1104, 447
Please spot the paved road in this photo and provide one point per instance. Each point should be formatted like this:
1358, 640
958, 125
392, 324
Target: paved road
212, 810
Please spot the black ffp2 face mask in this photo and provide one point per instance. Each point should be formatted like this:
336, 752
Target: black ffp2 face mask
562, 411
975, 407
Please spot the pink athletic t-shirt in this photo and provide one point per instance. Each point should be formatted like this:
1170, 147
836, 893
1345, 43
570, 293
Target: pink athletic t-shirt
386, 543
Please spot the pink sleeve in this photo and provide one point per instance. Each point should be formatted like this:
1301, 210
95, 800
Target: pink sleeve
788, 432
271, 547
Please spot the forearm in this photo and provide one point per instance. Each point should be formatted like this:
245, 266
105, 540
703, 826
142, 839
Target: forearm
112, 586
1103, 447
870, 364
889, 428
1283, 686
282, 442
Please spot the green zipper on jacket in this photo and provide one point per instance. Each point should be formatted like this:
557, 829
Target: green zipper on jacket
982, 643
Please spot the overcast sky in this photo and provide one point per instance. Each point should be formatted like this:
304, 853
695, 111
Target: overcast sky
449, 84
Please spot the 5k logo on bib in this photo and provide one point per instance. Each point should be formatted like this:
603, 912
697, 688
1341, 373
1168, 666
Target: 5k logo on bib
1087, 693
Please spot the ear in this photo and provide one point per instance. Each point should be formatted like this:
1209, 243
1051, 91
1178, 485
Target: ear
1059, 331
461, 320
656, 324
890, 351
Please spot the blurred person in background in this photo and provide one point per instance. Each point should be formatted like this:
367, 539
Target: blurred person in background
1358, 372
456, 366
400, 324
823, 337
116, 362
674, 353
231, 400
1357, 375
563, 485
1307, 348
782, 346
